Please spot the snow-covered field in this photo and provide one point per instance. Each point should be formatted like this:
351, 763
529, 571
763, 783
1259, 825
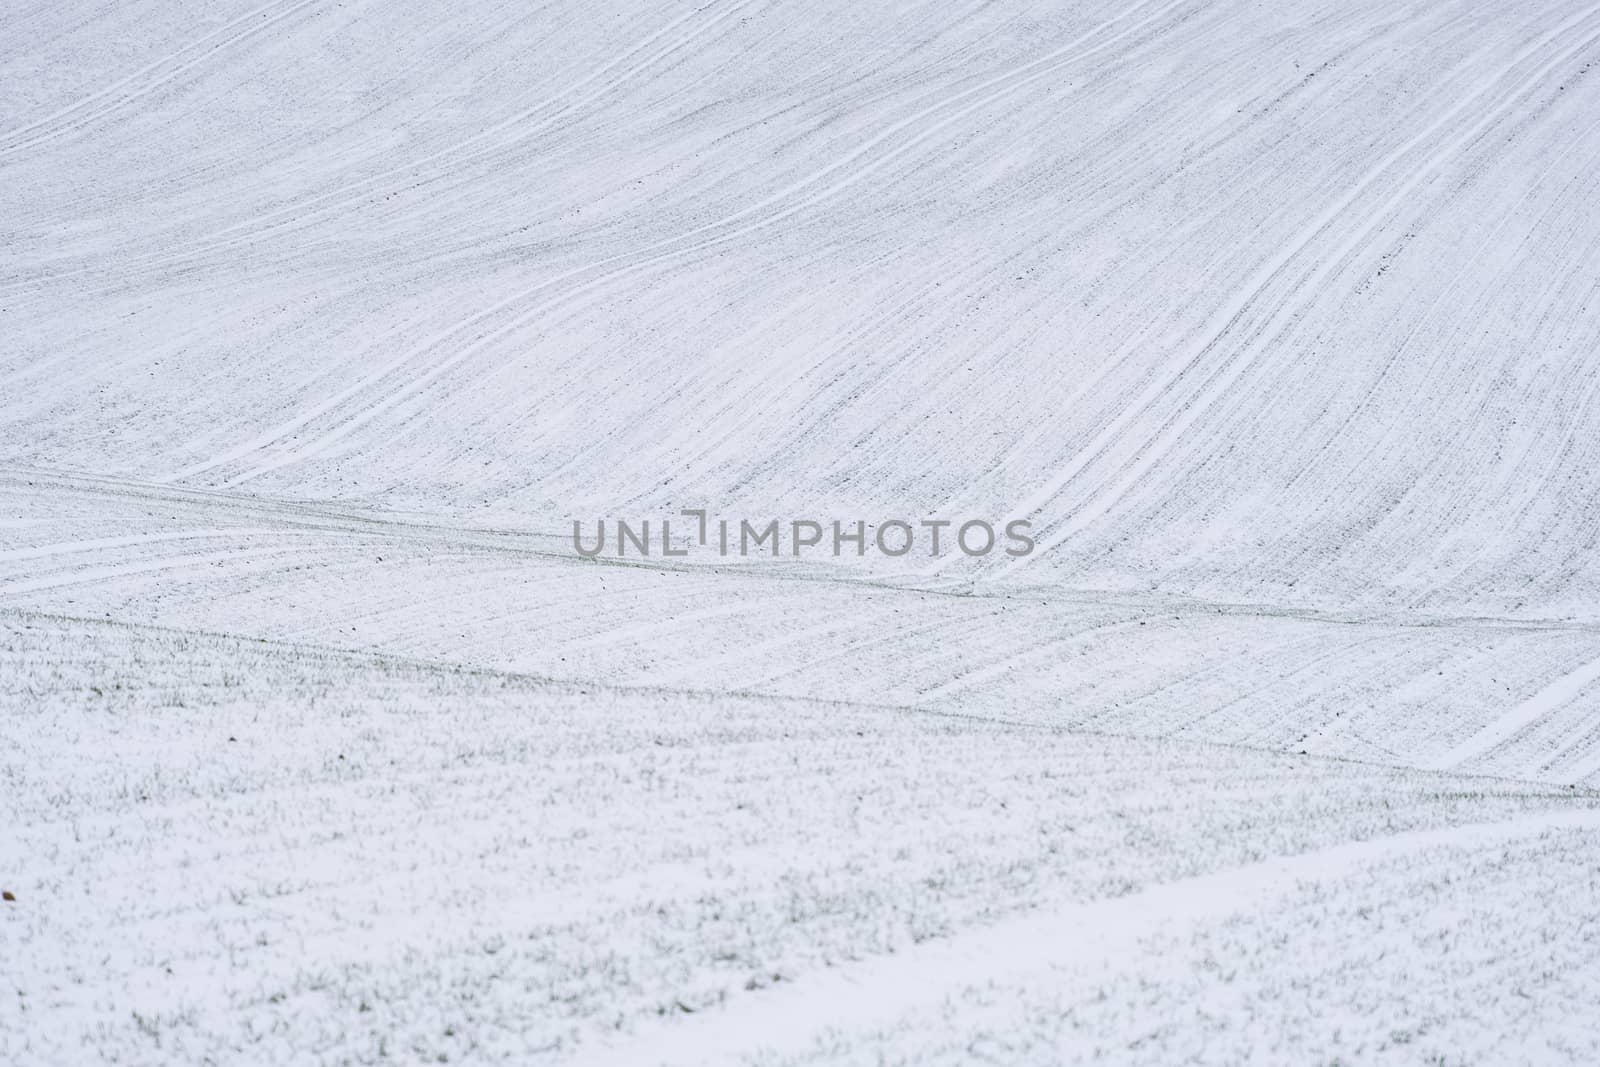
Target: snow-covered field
320, 324
246, 850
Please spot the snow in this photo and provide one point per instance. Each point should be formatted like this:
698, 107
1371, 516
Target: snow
320, 324
255, 851
1032, 952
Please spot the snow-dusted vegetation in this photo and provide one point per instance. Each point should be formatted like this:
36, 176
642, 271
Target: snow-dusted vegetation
323, 741
254, 850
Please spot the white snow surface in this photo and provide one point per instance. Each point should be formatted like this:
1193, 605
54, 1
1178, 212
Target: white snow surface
320, 323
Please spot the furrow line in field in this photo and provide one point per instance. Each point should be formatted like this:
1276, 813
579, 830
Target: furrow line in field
896, 140
1084, 938
1235, 313
74, 117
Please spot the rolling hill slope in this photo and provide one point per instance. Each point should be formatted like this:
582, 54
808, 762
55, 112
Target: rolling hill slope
276, 853
322, 322
1513, 696
1291, 304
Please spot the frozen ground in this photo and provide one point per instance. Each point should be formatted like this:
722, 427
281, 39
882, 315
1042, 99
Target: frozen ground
242, 850
320, 322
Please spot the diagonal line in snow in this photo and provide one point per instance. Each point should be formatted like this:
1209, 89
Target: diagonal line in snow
786, 202
1235, 310
70, 113
1085, 938
1557, 694
62, 548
